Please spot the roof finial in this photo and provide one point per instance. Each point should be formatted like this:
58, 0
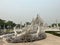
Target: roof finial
38, 16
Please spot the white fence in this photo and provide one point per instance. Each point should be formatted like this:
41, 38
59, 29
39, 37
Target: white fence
52, 29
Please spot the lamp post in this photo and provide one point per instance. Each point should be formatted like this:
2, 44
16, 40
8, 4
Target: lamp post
56, 23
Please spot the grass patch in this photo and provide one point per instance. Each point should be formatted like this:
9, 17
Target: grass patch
8, 32
57, 33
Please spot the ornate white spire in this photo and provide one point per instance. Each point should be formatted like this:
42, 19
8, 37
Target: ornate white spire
37, 20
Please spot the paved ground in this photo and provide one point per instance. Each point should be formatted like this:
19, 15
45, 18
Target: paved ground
50, 40
1, 42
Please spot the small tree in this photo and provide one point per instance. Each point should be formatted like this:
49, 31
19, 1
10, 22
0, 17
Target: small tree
59, 24
28, 23
54, 24
10, 24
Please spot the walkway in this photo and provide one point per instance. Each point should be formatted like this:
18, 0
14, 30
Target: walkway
50, 40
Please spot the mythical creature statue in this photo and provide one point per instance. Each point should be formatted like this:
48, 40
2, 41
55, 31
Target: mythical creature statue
32, 32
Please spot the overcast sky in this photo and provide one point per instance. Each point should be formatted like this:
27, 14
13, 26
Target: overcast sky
26, 10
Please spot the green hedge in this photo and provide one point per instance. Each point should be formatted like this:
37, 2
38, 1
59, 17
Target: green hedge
54, 32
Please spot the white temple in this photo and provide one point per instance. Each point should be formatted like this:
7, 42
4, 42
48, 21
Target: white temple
32, 32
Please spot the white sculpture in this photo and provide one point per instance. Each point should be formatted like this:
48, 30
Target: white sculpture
31, 32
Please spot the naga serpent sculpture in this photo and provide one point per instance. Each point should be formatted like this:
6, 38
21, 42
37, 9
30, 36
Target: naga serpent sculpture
30, 33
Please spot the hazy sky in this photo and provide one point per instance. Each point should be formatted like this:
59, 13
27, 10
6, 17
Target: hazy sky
26, 10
